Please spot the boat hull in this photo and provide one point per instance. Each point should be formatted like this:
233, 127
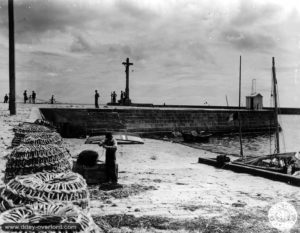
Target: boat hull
253, 170
121, 139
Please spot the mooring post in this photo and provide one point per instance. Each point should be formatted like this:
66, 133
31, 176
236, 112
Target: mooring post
12, 83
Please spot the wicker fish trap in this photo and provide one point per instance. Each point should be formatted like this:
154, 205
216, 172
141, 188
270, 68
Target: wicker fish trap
27, 127
47, 187
40, 138
27, 159
44, 215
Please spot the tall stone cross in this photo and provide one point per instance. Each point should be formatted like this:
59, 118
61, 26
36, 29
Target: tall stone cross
127, 64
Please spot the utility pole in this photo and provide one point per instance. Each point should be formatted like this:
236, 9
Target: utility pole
12, 77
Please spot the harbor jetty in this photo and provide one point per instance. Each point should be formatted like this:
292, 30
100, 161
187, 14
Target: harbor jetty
78, 122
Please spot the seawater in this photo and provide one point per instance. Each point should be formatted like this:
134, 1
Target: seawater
261, 144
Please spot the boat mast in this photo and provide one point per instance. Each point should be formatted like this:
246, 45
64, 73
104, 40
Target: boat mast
239, 111
277, 148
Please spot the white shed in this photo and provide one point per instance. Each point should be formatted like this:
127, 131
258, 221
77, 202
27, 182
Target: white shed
254, 102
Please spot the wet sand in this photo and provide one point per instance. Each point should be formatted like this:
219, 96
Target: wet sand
163, 180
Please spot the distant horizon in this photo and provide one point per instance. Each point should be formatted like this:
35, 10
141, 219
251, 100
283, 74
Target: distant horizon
185, 52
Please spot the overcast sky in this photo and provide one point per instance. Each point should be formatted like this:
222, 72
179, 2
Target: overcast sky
184, 51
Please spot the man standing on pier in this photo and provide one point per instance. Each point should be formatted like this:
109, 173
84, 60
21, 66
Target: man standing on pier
113, 97
110, 144
52, 100
96, 99
25, 96
33, 96
122, 97
5, 99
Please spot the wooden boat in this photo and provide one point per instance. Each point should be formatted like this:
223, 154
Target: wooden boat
120, 137
286, 163
274, 173
283, 167
193, 136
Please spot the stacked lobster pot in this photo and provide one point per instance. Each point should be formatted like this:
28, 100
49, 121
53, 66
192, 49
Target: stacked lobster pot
50, 215
28, 159
29, 133
67, 188
37, 138
40, 186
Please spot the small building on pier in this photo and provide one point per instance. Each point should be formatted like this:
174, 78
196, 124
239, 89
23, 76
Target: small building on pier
254, 101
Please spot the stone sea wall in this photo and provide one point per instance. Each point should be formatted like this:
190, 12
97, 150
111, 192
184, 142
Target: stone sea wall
74, 122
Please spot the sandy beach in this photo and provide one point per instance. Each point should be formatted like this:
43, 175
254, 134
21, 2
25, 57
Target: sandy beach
166, 190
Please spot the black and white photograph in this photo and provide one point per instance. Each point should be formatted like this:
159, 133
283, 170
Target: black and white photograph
150, 116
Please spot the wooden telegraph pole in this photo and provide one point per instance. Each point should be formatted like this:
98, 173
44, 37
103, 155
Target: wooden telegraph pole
12, 81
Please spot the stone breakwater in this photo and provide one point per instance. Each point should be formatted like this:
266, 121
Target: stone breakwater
77, 122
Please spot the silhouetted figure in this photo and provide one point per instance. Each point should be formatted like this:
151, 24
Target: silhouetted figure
5, 99
25, 96
110, 144
122, 97
52, 100
96, 99
33, 95
114, 97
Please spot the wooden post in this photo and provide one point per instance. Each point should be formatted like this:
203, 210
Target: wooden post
12, 83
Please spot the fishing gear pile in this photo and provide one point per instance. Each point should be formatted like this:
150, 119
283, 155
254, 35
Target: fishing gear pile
39, 138
28, 159
45, 187
25, 128
46, 214
41, 189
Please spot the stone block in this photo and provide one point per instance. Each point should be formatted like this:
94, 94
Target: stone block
92, 175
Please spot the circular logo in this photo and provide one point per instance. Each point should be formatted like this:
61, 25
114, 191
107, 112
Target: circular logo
282, 216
